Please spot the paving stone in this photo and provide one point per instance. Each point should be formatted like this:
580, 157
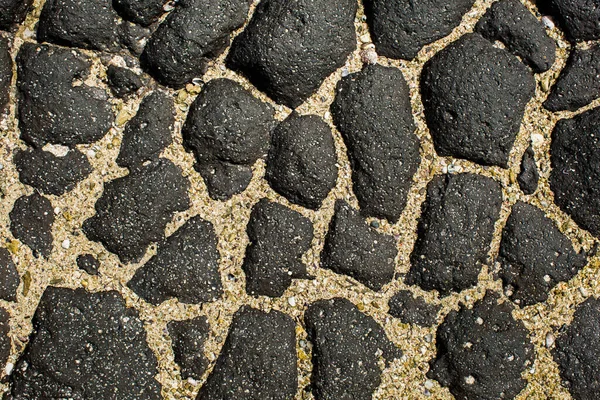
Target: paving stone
148, 133
355, 249
85, 345
578, 18
122, 81
578, 84
6, 72
290, 46
142, 12
181, 48
302, 163
474, 96
227, 129
372, 111
9, 277
400, 29
51, 109
13, 12
188, 338
481, 352
454, 232
528, 177
347, 347
134, 210
31, 222
278, 238
513, 24
413, 310
258, 359
186, 266
88, 263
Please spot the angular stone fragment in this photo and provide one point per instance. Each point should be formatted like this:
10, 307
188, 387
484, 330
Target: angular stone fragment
134, 210
355, 249
193, 34
302, 164
188, 338
372, 111
413, 310
454, 232
580, 19
347, 347
481, 352
400, 28
6, 72
474, 96
9, 277
122, 81
13, 12
291, 46
258, 359
88, 263
85, 345
31, 222
51, 108
528, 177
143, 12
278, 237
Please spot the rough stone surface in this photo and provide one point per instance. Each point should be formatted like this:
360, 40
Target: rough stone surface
13, 12
122, 81
143, 12
347, 347
9, 277
481, 352
88, 263
413, 310
290, 46
528, 177
454, 232
580, 19
278, 238
355, 249
5, 342
474, 96
134, 210
188, 338
258, 359
31, 222
302, 164
6, 72
85, 345
372, 111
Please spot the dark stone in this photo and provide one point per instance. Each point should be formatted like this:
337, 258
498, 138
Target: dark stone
413, 310
534, 255
454, 232
51, 109
134, 210
122, 81
85, 345
188, 338
575, 175
5, 342
9, 277
228, 129
528, 177
258, 359
149, 132
578, 84
49, 173
513, 24
301, 165
186, 266
373, 113
347, 347
278, 237
31, 222
355, 249
580, 19
193, 34
400, 28
474, 96
6, 72
481, 352
290, 46
88, 263
13, 12
142, 12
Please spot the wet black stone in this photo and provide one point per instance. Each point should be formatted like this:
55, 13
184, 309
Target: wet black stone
578, 84
413, 310
188, 338
6, 72
31, 222
51, 109
301, 165
49, 173
575, 175
347, 347
401, 28
291, 46
85, 345
186, 266
580, 19
372, 111
513, 24
13, 12
355, 249
528, 177
228, 129
9, 277
122, 81
88, 263
258, 359
474, 96
143, 12
278, 237
193, 34
134, 210
484, 343
454, 232
149, 132
577, 352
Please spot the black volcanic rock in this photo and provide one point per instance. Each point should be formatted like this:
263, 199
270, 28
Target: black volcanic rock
143, 12
6, 72
122, 81
9, 276
413, 310
88, 263
13, 12
578, 18
31, 222
188, 338
528, 177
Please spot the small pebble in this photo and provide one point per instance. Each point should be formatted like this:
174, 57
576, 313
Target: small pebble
57, 210
428, 384
292, 301
550, 339
469, 380
547, 21
66, 244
